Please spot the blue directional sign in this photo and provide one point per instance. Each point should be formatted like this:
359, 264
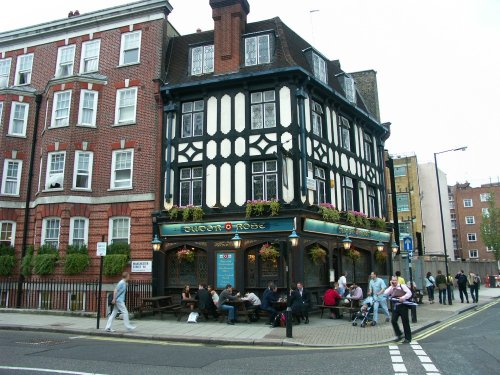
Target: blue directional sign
408, 244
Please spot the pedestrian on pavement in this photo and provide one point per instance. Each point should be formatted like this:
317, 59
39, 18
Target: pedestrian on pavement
306, 300
442, 286
119, 304
430, 284
342, 284
376, 289
225, 296
400, 294
462, 285
268, 298
401, 279
473, 281
452, 289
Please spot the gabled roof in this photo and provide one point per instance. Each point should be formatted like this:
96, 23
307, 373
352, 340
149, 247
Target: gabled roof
289, 52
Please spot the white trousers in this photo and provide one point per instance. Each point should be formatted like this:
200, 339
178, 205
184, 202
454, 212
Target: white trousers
119, 306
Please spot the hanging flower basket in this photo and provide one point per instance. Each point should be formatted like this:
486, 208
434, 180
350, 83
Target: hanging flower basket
329, 212
269, 252
185, 255
318, 255
355, 255
380, 257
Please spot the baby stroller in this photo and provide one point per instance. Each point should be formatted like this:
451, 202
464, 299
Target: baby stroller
365, 314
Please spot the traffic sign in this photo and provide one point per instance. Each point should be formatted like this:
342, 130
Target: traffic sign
408, 243
101, 249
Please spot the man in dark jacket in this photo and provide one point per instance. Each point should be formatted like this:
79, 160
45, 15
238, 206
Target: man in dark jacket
306, 300
205, 303
270, 296
462, 285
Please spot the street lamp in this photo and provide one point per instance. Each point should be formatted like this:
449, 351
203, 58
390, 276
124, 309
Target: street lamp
346, 242
156, 243
441, 213
236, 240
294, 238
394, 247
380, 246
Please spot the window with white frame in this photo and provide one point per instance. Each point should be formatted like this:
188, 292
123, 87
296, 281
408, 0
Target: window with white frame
319, 174
403, 201
119, 230
18, 119
405, 227
126, 103
400, 171
265, 180
11, 180
473, 254
470, 220
350, 89
348, 193
78, 231
51, 228
489, 249
130, 48
90, 56
192, 118
55, 170
485, 212
5, 72
123, 165
484, 197
453, 217
191, 186
82, 174
24, 67
471, 237
372, 202
65, 61
202, 60
257, 50
61, 109
7, 232
87, 113
455, 242
368, 143
467, 202
345, 133
319, 67
317, 118
263, 109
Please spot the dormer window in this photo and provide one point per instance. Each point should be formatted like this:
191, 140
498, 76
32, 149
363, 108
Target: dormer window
319, 66
257, 50
65, 61
350, 89
202, 60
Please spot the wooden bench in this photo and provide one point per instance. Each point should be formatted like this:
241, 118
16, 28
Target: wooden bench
161, 304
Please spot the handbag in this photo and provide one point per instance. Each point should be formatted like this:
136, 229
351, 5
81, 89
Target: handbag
193, 317
398, 292
442, 286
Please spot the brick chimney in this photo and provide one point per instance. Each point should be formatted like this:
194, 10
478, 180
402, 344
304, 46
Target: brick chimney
230, 18
366, 82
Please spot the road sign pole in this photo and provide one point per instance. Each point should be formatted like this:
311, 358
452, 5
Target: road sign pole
101, 253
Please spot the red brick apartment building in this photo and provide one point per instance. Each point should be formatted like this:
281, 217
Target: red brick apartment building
80, 119
467, 206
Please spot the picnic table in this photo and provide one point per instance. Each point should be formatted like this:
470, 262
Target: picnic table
188, 305
160, 304
240, 308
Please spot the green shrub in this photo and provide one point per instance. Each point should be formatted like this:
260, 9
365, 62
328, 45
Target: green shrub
198, 214
6, 250
7, 263
118, 248
27, 262
77, 249
76, 263
47, 249
45, 264
114, 264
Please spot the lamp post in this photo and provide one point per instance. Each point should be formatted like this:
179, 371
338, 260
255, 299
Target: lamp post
293, 239
448, 289
394, 250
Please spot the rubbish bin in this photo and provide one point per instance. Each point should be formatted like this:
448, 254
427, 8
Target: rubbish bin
493, 282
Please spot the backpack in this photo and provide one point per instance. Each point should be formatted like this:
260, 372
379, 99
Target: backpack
477, 280
462, 279
279, 320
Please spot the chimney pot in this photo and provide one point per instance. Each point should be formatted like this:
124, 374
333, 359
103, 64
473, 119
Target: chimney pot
198, 30
70, 14
77, 13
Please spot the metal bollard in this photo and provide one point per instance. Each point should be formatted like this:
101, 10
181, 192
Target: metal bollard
289, 319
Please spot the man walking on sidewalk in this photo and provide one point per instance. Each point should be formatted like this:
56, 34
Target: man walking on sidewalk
473, 280
119, 304
400, 295
462, 285
376, 289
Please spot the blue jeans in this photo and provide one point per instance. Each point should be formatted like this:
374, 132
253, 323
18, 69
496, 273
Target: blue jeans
230, 311
382, 302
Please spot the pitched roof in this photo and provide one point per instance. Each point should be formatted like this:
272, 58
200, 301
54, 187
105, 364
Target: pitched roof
288, 52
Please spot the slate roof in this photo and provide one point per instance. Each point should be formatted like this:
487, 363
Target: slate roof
288, 52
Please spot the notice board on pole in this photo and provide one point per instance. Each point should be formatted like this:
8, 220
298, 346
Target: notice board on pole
225, 268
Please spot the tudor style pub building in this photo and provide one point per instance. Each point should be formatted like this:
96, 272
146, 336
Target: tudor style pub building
254, 114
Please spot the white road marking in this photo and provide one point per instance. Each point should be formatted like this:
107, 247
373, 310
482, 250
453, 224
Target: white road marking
393, 347
416, 346
419, 352
399, 367
396, 359
46, 370
424, 359
430, 367
394, 352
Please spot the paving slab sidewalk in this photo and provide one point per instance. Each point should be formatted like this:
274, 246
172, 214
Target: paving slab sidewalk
319, 333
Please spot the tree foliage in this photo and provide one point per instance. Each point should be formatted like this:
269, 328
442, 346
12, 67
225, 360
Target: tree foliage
490, 227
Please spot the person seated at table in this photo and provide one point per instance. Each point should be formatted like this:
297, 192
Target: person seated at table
225, 297
270, 296
252, 302
332, 298
355, 294
215, 296
186, 297
295, 302
205, 303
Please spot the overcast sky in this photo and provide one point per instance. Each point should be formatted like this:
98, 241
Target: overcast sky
438, 64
